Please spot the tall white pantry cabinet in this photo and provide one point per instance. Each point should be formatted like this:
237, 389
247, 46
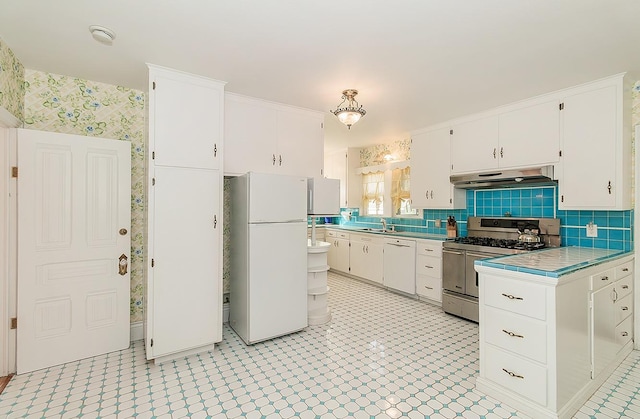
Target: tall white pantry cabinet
183, 299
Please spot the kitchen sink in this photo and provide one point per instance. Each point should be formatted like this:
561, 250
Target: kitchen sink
379, 230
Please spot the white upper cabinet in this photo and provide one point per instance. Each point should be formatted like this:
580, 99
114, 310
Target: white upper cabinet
250, 136
187, 111
342, 165
267, 137
595, 169
518, 136
529, 136
300, 143
474, 145
430, 169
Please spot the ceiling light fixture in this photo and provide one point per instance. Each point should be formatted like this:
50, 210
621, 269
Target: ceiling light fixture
352, 112
102, 34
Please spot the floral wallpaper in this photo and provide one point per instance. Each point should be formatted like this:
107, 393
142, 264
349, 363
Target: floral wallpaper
11, 82
374, 155
75, 106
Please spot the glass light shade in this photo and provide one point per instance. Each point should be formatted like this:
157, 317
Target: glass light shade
349, 117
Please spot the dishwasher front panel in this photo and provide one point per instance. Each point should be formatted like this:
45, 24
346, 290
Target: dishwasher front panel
400, 265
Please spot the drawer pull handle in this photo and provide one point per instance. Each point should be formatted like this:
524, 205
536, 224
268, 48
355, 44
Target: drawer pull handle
429, 288
459, 287
625, 308
513, 335
512, 374
625, 334
625, 287
427, 266
428, 250
511, 297
625, 269
605, 278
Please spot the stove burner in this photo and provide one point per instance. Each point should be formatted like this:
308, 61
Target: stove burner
502, 243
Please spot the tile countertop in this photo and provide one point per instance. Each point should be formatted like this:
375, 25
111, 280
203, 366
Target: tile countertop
405, 234
554, 262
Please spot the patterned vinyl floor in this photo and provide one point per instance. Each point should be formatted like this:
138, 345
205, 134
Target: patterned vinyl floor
382, 356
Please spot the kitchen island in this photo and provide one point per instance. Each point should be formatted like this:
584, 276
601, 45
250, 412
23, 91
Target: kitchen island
553, 326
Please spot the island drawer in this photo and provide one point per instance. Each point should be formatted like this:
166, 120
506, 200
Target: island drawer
516, 296
624, 308
429, 265
624, 332
624, 287
516, 374
602, 279
518, 334
624, 270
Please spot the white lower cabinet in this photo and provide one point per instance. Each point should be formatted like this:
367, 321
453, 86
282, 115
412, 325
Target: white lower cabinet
543, 349
366, 256
429, 269
338, 254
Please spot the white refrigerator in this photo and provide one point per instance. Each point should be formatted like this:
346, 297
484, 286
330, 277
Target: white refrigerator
268, 276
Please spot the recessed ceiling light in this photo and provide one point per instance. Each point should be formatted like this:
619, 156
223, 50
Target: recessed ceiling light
102, 34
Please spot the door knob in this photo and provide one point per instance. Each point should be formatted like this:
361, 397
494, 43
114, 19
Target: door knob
123, 231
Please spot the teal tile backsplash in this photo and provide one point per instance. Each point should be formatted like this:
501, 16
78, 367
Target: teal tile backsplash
615, 228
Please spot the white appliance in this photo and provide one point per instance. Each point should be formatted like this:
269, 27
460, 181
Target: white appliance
268, 295
400, 265
323, 196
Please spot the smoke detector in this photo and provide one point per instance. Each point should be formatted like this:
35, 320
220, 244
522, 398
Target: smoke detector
102, 34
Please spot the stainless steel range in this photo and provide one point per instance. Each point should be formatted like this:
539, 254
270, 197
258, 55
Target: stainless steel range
487, 238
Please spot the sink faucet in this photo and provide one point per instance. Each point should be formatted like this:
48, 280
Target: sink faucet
384, 223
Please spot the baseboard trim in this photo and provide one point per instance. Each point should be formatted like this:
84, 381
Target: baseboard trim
137, 331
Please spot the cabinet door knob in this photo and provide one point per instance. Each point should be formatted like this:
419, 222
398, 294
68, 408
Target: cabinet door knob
609, 187
511, 297
494, 152
625, 308
501, 153
625, 333
625, 287
605, 278
274, 160
280, 160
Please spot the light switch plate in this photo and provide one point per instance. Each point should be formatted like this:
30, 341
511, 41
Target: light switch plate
592, 230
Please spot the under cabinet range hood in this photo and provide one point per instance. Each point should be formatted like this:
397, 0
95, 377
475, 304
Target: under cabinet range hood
505, 178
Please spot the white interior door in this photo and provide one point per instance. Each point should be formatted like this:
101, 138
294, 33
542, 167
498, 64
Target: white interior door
74, 217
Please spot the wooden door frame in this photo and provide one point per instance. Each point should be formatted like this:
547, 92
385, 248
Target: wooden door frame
8, 241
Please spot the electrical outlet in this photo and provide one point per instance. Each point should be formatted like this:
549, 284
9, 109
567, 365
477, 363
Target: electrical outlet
592, 230
437, 223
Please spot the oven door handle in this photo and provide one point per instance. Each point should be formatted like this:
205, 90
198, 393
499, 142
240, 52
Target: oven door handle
483, 255
452, 252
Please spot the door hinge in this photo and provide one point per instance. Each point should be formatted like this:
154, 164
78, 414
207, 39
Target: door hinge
152, 342
450, 132
560, 153
153, 84
14, 323
14, 171
153, 181
153, 263
561, 106
153, 155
